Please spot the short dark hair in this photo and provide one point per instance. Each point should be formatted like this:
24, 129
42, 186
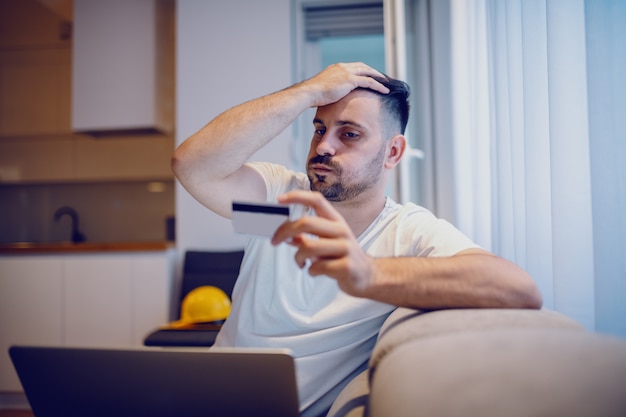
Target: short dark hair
395, 103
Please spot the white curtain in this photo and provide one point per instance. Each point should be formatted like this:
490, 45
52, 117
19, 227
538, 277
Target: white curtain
536, 126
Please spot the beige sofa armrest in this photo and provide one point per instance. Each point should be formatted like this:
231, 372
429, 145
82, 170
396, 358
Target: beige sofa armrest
492, 363
404, 324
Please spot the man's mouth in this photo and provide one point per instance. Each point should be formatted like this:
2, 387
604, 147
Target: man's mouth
320, 168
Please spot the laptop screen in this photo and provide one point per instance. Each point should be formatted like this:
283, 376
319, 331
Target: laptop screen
157, 382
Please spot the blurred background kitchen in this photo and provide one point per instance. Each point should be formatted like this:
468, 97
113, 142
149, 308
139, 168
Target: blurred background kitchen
99, 144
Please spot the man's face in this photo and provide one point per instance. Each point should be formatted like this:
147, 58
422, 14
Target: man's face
347, 151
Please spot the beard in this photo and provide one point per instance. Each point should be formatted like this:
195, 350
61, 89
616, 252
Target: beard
339, 189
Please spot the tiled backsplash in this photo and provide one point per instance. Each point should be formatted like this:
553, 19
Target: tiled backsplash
108, 212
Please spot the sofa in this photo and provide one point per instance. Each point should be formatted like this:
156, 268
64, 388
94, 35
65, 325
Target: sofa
487, 363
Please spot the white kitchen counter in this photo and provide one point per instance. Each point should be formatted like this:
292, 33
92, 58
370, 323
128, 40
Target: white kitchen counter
29, 248
107, 298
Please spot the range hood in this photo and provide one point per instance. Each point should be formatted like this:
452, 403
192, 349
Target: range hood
123, 67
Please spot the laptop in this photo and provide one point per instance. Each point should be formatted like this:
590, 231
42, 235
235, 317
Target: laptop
89, 382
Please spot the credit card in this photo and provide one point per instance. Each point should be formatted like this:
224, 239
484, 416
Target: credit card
261, 219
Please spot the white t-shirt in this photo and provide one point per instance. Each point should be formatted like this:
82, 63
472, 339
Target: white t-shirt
331, 334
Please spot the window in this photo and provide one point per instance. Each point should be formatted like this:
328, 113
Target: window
526, 101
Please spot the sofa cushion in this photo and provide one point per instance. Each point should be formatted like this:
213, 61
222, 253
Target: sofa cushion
518, 372
352, 400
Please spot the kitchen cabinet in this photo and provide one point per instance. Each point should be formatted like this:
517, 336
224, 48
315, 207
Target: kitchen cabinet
37, 141
80, 159
90, 300
123, 66
35, 70
35, 85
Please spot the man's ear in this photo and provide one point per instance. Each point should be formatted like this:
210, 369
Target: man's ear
395, 149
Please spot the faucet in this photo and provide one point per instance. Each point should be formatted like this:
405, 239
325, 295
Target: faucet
77, 236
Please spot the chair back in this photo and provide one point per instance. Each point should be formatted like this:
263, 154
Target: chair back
219, 269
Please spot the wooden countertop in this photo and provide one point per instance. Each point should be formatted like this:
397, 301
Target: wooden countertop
69, 247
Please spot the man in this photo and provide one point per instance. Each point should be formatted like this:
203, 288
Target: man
325, 282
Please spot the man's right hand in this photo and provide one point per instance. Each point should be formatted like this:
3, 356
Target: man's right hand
338, 80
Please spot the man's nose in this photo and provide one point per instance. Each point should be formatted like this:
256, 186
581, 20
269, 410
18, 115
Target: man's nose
326, 146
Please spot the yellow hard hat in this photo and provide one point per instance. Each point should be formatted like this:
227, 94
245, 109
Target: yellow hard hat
203, 305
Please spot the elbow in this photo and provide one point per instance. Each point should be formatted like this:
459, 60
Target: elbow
528, 295
175, 164
523, 290
535, 299
178, 163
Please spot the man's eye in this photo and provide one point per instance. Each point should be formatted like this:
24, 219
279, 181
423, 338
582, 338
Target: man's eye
320, 132
351, 135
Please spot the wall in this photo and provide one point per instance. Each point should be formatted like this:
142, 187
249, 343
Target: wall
227, 53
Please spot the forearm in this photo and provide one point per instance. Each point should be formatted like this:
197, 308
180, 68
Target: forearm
471, 278
227, 142
462, 281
